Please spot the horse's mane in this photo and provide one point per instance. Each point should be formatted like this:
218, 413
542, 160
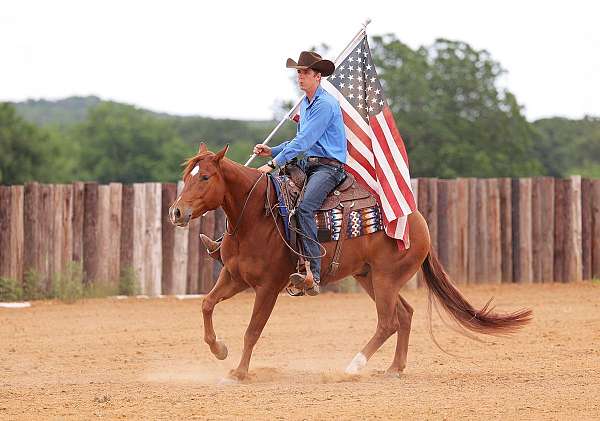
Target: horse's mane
189, 163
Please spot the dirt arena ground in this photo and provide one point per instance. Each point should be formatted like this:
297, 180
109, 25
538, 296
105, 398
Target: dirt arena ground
145, 359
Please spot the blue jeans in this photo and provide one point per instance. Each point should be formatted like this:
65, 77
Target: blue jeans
322, 179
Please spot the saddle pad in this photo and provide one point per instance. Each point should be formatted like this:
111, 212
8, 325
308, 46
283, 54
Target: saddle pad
329, 223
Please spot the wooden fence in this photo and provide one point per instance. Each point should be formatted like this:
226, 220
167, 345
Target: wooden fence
484, 230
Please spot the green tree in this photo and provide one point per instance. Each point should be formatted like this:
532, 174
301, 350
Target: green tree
122, 143
27, 153
452, 115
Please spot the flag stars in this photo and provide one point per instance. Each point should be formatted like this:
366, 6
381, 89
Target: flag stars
342, 76
377, 91
369, 88
350, 77
368, 67
351, 95
372, 79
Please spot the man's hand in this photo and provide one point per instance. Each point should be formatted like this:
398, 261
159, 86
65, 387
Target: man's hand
265, 169
262, 150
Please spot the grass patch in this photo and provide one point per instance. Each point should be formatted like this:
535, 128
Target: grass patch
10, 290
67, 286
596, 281
32, 289
128, 283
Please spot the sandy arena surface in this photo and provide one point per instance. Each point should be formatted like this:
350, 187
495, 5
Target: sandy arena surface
145, 359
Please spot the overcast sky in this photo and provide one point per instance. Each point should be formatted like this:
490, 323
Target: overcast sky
227, 59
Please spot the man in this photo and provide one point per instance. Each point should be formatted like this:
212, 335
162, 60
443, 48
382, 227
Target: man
322, 141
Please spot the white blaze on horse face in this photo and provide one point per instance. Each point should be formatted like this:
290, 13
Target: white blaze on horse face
195, 170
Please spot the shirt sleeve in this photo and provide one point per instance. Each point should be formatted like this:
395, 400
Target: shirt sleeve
312, 129
276, 149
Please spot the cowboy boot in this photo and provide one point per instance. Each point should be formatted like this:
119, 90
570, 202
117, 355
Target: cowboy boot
213, 248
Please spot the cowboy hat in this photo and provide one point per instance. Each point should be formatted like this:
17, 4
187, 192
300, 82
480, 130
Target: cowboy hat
312, 60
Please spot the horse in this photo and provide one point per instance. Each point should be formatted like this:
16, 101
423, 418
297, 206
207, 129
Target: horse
255, 255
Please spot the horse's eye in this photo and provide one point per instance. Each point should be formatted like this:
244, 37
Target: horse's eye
205, 177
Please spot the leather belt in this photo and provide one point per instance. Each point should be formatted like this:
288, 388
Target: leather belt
324, 161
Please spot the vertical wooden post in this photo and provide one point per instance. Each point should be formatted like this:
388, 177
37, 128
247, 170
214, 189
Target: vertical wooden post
78, 193
506, 240
472, 232
5, 222
559, 230
16, 233
139, 237
180, 256
595, 211
443, 223
461, 187
586, 228
46, 227
522, 251
56, 241
153, 241
90, 232
127, 219
103, 239
573, 270
31, 227
66, 225
482, 238
169, 193
547, 228
536, 229
494, 232
114, 234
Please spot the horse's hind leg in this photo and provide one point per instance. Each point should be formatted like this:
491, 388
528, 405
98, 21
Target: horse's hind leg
226, 287
404, 312
404, 315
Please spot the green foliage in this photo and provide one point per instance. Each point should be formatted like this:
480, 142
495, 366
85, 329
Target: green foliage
128, 283
10, 290
67, 286
62, 113
32, 289
567, 147
26, 151
122, 143
454, 119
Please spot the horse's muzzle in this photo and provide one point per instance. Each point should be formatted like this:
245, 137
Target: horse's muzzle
179, 217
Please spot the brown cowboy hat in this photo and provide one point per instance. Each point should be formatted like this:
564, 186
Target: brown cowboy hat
312, 60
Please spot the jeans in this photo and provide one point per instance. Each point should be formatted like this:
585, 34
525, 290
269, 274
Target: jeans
322, 179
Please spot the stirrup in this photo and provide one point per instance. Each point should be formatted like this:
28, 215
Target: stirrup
297, 280
293, 291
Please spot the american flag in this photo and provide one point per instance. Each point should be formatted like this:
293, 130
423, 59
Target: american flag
376, 153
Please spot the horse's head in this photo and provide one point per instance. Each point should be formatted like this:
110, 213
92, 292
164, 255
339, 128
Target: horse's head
203, 187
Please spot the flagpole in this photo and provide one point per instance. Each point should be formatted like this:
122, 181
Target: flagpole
287, 116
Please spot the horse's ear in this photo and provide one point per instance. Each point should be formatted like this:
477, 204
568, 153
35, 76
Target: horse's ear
202, 148
219, 155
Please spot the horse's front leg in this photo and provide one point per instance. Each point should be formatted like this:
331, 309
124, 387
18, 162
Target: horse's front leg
263, 306
226, 287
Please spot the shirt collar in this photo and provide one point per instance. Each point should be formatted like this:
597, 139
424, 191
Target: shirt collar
318, 92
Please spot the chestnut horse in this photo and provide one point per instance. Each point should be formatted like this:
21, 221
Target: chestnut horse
255, 255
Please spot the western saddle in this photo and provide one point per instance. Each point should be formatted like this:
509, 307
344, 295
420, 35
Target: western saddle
348, 196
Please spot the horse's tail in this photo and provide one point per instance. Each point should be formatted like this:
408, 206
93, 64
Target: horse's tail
480, 321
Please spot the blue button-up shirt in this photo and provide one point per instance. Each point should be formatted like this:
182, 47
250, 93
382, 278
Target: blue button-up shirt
320, 132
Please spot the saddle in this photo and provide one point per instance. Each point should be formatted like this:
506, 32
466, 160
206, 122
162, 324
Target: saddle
349, 211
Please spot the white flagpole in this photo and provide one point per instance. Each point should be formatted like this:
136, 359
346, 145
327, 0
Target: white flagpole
360, 33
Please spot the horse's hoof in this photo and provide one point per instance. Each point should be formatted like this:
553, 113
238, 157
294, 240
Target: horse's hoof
222, 351
358, 363
392, 373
